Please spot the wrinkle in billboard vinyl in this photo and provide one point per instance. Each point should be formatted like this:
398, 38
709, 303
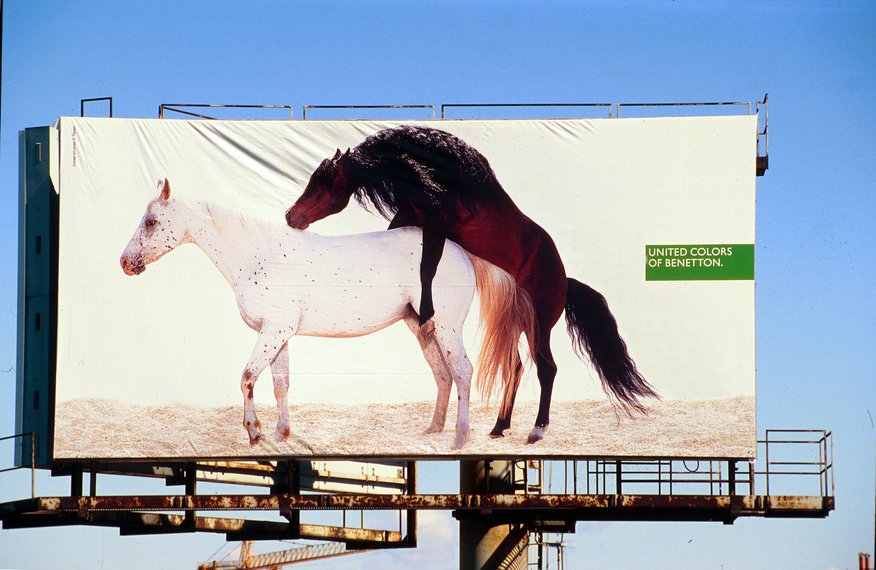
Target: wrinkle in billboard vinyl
194, 322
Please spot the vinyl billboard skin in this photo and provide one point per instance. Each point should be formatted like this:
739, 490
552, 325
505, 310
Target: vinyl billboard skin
193, 322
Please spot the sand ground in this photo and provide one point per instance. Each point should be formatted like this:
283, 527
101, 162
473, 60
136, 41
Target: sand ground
100, 428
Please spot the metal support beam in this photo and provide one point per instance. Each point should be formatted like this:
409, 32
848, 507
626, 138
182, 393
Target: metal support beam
191, 483
411, 530
76, 480
486, 541
289, 483
581, 507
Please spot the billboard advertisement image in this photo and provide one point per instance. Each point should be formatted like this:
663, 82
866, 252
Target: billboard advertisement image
355, 289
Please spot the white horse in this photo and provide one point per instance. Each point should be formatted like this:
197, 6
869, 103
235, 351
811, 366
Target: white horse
291, 282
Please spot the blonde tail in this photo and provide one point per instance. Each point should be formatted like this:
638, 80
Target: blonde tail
506, 313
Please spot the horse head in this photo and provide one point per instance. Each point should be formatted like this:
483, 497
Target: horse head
328, 192
159, 232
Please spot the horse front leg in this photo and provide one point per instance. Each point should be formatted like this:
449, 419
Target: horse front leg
434, 236
280, 372
267, 347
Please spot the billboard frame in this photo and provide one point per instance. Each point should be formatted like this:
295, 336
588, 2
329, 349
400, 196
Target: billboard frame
529, 504
30, 229
37, 294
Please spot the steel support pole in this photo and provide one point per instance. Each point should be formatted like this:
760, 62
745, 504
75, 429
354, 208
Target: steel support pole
485, 543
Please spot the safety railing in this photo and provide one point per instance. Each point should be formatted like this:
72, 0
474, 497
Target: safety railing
605, 107
726, 105
31, 465
430, 108
798, 453
177, 108
609, 110
800, 462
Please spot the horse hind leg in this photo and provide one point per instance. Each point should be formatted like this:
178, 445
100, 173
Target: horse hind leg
440, 371
503, 422
280, 372
547, 371
453, 353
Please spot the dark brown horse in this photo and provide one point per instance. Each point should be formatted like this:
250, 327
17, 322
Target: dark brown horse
429, 178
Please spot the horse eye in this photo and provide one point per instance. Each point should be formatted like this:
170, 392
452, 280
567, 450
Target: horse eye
150, 222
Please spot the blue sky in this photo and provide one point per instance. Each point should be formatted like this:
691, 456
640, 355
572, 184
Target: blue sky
815, 206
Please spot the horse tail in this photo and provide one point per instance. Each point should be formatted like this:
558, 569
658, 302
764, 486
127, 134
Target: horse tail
506, 313
594, 330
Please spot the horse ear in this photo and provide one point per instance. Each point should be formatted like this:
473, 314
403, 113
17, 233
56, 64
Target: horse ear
340, 179
336, 156
165, 190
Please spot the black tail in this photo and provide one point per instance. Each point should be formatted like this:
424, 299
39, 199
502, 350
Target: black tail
594, 331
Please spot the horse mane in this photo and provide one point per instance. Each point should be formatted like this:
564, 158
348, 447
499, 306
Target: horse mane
241, 222
419, 168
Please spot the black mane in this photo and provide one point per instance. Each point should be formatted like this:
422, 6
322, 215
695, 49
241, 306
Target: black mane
419, 168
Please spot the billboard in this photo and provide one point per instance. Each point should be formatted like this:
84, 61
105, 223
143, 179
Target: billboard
194, 322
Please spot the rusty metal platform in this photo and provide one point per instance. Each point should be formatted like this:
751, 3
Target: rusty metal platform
795, 480
138, 509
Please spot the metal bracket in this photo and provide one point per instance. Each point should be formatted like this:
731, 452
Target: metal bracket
763, 160
82, 103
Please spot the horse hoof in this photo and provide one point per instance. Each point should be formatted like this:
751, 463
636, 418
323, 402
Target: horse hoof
433, 429
283, 434
497, 433
537, 434
460, 441
254, 431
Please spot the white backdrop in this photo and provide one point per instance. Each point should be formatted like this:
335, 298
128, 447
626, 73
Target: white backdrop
603, 189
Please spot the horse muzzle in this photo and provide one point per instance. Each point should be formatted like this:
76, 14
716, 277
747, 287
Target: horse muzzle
295, 220
131, 267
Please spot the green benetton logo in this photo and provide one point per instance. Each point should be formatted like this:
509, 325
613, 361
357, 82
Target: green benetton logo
720, 262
